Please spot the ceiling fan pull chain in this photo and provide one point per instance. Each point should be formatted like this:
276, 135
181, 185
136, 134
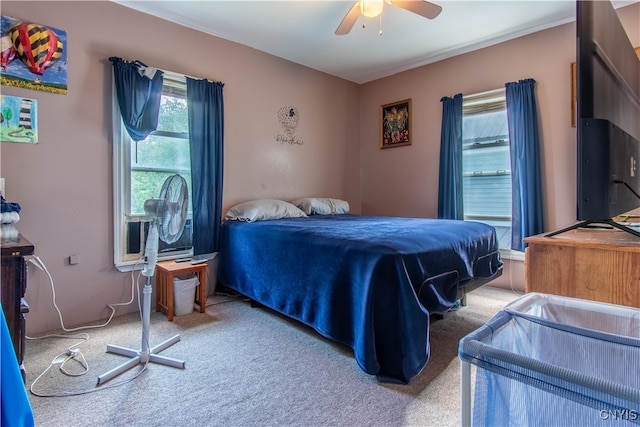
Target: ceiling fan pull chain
380, 32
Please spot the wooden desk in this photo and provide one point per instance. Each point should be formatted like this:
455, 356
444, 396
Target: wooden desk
599, 265
165, 272
14, 286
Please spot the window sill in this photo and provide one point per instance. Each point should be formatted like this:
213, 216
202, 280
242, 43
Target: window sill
128, 266
511, 255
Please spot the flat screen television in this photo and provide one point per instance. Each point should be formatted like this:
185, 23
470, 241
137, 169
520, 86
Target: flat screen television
608, 118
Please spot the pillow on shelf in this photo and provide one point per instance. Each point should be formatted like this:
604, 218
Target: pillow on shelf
321, 205
263, 209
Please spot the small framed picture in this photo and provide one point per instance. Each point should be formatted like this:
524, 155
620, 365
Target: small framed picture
395, 124
19, 118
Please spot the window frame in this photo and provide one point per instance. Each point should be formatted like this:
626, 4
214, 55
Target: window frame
122, 168
485, 102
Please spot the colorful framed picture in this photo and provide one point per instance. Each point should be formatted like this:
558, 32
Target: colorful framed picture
33, 56
18, 119
395, 124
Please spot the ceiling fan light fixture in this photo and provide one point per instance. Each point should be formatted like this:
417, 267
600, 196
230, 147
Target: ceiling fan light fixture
371, 8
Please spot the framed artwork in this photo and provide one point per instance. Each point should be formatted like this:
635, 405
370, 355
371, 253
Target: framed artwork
33, 56
574, 95
18, 119
574, 91
395, 124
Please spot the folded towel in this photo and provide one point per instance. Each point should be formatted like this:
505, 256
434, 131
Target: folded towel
8, 233
9, 217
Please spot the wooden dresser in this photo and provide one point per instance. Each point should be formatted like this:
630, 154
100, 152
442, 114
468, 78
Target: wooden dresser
594, 264
14, 286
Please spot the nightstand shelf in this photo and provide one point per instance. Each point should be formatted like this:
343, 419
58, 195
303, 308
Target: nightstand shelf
166, 271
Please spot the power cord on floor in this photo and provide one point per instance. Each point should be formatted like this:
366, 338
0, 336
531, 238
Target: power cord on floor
73, 353
230, 297
35, 260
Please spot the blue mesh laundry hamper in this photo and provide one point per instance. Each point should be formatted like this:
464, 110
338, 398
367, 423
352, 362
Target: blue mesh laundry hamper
546, 360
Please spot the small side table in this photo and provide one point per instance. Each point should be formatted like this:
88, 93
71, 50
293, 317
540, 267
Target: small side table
165, 272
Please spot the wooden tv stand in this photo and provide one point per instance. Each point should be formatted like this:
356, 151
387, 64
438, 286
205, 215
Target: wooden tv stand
594, 264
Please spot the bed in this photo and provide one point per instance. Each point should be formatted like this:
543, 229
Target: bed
370, 282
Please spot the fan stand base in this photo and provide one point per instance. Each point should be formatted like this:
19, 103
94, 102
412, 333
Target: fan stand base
139, 358
144, 355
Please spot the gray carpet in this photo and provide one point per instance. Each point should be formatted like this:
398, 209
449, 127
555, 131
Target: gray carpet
249, 367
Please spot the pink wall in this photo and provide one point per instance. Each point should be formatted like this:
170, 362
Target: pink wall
404, 180
64, 183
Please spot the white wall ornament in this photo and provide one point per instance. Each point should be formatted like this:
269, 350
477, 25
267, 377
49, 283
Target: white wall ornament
289, 119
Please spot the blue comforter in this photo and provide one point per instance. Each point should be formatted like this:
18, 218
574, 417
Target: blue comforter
360, 280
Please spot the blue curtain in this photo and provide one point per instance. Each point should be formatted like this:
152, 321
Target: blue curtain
522, 116
138, 89
450, 180
206, 131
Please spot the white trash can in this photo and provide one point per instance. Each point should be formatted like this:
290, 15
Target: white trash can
184, 295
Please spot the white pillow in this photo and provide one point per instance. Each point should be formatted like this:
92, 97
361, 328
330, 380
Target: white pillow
321, 205
256, 210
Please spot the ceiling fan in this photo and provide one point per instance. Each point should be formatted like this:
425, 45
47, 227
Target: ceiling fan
373, 8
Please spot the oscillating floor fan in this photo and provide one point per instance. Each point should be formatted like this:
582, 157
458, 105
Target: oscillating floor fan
168, 215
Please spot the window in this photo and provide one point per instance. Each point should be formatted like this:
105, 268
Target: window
140, 169
486, 163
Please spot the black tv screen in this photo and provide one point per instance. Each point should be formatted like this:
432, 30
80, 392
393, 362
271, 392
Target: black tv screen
608, 115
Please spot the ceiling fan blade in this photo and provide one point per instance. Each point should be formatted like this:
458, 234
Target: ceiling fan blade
420, 7
349, 19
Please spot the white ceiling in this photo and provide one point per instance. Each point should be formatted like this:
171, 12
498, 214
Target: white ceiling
302, 31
